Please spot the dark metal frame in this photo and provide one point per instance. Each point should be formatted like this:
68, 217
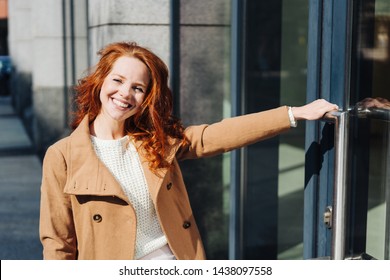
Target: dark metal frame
237, 180
328, 77
175, 54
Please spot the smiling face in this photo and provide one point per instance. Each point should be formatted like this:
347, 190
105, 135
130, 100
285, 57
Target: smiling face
124, 89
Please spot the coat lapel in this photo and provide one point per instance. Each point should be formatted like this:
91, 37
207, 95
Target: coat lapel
153, 180
87, 175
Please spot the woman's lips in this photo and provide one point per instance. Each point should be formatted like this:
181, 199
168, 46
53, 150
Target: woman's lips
120, 103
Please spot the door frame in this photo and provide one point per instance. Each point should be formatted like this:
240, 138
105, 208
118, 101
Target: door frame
328, 76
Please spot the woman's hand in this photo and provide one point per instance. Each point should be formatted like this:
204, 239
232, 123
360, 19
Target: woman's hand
374, 102
314, 110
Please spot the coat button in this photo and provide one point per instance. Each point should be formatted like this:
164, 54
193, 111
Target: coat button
97, 218
186, 224
169, 186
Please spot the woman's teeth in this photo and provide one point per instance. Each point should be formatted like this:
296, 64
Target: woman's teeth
120, 104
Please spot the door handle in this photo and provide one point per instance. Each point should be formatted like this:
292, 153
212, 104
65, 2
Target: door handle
382, 114
340, 119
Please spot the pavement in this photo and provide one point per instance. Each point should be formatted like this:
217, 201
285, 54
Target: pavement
20, 178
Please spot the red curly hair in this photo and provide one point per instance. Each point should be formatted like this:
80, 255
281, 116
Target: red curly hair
154, 123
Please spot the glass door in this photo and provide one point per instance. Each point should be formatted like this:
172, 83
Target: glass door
272, 61
356, 216
368, 208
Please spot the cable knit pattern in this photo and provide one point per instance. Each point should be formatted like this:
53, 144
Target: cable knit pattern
121, 158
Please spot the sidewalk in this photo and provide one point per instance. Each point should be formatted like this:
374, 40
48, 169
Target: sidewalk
20, 177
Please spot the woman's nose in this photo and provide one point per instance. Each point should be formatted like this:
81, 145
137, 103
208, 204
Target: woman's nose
125, 91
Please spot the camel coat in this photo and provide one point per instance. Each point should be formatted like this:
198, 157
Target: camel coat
86, 215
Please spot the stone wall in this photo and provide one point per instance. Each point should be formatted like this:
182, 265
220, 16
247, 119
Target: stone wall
48, 47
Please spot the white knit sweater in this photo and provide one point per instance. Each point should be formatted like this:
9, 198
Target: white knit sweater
121, 158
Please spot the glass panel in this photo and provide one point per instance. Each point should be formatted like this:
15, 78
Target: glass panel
205, 98
262, 91
275, 75
370, 188
369, 171
292, 145
377, 185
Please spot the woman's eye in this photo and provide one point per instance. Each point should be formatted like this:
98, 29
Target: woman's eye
138, 89
117, 80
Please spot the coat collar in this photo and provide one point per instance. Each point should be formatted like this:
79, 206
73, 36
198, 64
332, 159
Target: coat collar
87, 175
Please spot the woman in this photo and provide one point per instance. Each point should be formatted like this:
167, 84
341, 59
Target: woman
113, 189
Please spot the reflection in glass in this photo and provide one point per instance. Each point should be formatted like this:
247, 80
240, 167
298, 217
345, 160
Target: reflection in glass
275, 75
369, 225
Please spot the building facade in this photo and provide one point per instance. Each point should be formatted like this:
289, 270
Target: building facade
227, 58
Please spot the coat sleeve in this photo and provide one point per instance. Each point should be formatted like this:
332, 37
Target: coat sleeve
233, 133
57, 232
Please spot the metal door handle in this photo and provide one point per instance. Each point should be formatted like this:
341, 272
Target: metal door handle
372, 113
340, 119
